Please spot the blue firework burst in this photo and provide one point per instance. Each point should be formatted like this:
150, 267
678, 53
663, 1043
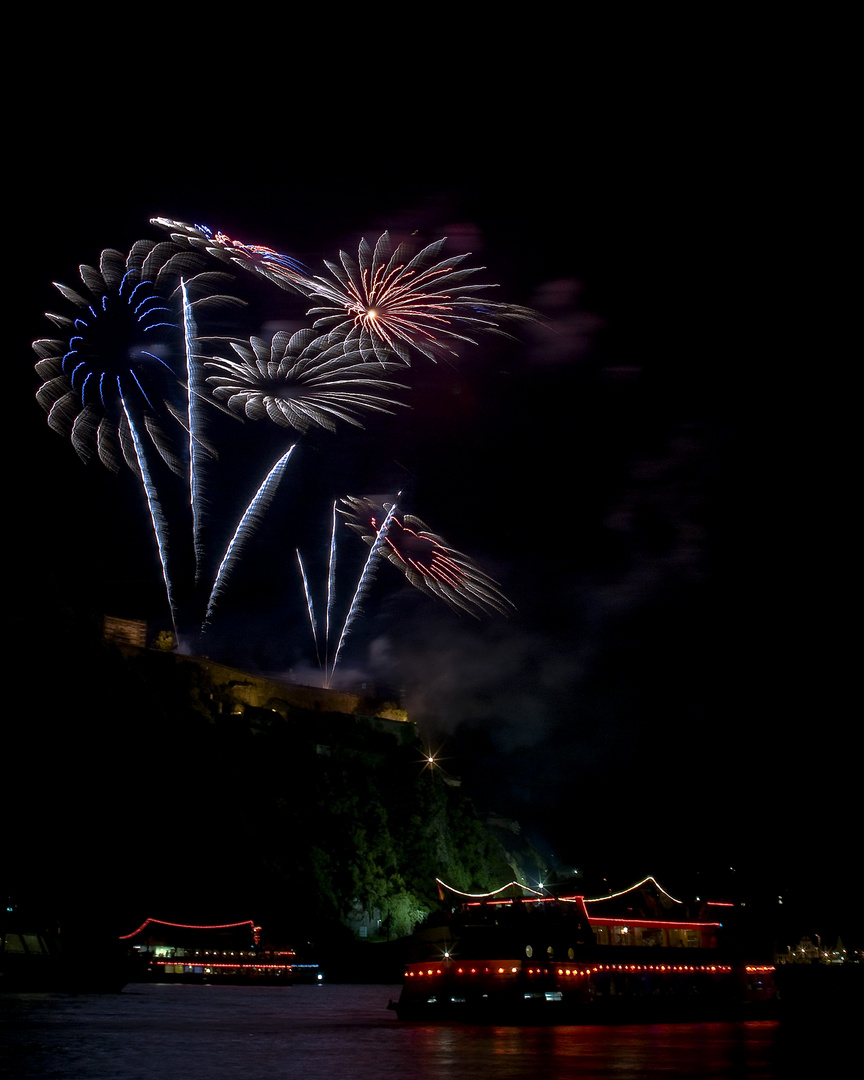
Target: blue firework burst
118, 357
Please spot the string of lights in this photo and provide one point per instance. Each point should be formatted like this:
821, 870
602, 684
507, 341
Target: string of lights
192, 926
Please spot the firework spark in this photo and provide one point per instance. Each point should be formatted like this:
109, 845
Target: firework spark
389, 302
115, 364
300, 381
426, 560
281, 269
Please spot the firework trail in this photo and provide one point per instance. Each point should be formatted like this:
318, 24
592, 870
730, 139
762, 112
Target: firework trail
300, 380
197, 450
331, 582
331, 594
160, 526
247, 525
309, 605
386, 301
366, 578
426, 559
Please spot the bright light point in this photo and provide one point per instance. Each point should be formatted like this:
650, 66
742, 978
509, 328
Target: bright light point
430, 760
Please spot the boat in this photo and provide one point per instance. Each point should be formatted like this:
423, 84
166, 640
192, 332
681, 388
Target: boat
523, 956
222, 952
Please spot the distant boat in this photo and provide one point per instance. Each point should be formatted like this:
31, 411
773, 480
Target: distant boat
222, 952
521, 956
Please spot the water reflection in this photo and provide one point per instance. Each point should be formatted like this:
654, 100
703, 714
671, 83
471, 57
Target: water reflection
346, 1033
631, 1052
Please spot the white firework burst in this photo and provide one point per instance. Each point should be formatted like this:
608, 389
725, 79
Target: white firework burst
301, 380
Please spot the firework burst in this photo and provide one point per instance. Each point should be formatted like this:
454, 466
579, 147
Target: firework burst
128, 378
390, 301
300, 380
426, 559
264, 261
115, 363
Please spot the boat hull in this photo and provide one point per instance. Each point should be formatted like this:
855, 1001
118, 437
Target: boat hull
509, 991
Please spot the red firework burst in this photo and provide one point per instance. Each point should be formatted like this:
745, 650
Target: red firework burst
390, 300
426, 559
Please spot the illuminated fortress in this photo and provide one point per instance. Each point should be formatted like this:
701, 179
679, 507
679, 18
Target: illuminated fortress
228, 690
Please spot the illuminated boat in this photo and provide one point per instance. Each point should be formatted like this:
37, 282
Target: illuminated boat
224, 952
517, 955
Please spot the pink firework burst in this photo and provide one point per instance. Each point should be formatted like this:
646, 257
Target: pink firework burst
426, 559
391, 301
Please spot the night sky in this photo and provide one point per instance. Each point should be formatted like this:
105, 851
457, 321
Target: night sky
666, 694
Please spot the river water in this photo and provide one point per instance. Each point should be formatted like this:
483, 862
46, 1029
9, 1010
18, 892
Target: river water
340, 1032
